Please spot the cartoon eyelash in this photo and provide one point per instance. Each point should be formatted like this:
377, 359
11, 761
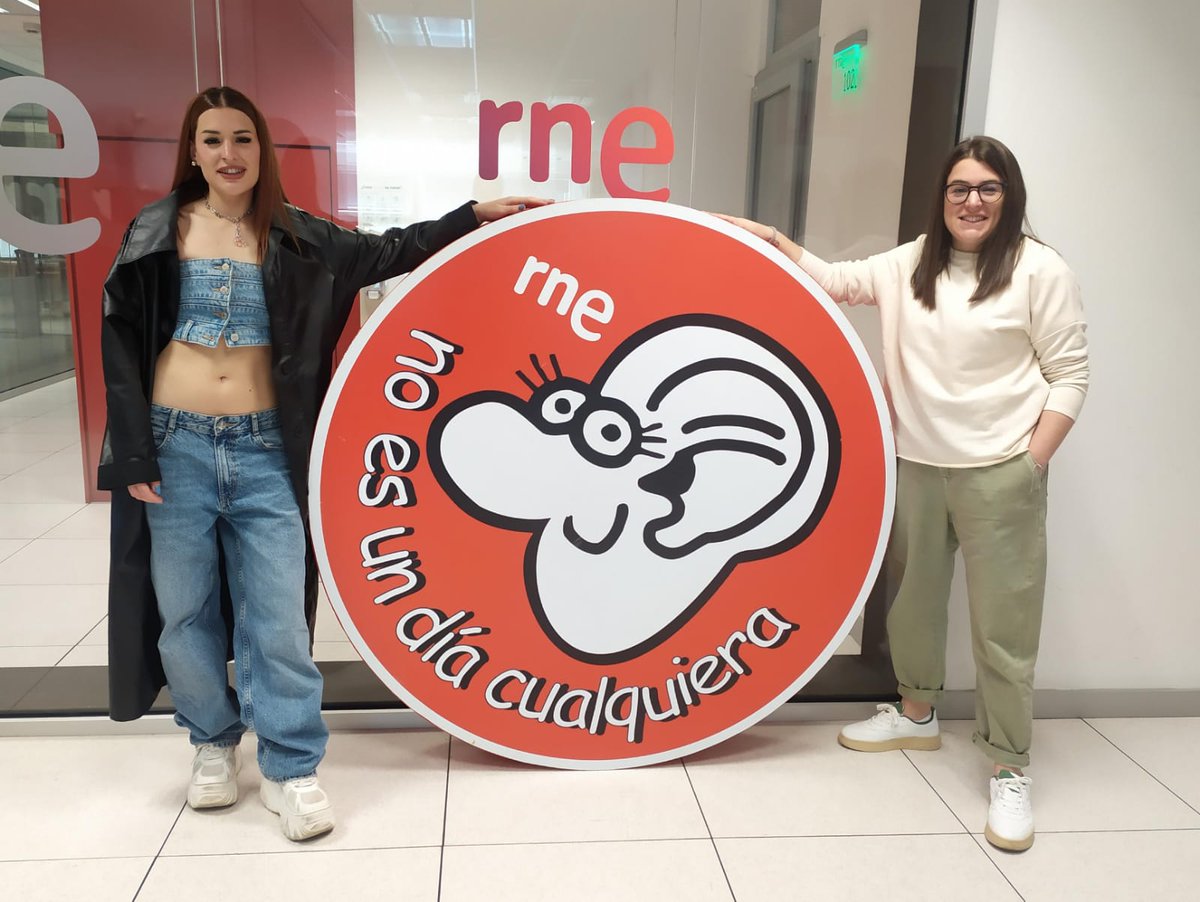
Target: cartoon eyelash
537, 368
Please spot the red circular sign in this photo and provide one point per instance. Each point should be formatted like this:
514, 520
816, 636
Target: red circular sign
602, 484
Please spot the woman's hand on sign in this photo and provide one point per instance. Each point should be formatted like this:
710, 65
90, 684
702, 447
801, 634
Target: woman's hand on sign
147, 492
767, 233
490, 211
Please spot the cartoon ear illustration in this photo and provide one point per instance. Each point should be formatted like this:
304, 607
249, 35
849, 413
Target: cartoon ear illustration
751, 439
699, 444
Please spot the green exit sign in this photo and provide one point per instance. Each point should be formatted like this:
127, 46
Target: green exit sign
847, 66
847, 63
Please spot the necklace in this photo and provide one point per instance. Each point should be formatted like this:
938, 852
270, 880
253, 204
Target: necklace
237, 222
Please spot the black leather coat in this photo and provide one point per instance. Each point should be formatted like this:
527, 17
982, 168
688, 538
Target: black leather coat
310, 278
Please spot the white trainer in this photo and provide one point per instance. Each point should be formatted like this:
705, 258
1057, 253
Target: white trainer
889, 729
214, 776
1010, 816
302, 805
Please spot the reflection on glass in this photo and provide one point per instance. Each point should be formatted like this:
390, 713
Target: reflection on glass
35, 317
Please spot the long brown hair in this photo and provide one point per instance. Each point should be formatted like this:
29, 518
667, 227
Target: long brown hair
1000, 251
189, 183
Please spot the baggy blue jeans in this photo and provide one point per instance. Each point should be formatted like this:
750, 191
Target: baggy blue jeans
227, 477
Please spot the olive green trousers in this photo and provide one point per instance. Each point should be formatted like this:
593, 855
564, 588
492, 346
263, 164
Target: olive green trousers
997, 516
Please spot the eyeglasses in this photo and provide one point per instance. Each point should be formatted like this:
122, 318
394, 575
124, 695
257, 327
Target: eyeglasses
989, 192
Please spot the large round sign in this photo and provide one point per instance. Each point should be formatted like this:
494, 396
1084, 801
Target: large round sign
602, 484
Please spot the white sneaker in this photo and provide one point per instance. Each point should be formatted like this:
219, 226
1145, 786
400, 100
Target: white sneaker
1010, 816
214, 776
303, 808
889, 729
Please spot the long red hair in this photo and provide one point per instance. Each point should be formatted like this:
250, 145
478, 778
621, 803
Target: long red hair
189, 183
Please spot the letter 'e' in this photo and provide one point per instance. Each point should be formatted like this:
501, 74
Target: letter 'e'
79, 157
613, 153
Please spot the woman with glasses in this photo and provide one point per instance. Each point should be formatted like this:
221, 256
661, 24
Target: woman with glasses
986, 367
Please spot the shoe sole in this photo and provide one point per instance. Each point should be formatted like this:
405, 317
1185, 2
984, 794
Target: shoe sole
1008, 845
911, 743
221, 796
216, 795
299, 828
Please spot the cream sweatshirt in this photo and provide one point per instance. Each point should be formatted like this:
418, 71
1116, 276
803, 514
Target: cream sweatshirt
967, 382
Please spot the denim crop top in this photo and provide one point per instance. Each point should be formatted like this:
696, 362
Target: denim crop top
221, 298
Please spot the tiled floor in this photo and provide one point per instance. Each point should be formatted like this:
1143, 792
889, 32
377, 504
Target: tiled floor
778, 813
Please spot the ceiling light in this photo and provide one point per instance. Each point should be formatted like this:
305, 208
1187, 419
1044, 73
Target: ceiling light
30, 4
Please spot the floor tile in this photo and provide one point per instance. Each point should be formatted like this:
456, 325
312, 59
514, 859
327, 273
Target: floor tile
387, 789
395, 875
49, 424
1155, 866
15, 461
38, 402
1080, 782
1165, 746
98, 635
664, 871
50, 615
90, 797
72, 561
55, 479
9, 547
22, 442
29, 404
32, 655
90, 522
86, 656
795, 780
93, 879
9, 422
495, 800
32, 520
853, 869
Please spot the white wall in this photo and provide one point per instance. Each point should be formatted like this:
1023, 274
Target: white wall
1100, 102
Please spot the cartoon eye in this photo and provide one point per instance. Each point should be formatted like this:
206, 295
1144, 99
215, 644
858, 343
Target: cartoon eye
607, 433
559, 407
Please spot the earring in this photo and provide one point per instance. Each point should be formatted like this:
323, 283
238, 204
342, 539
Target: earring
194, 163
